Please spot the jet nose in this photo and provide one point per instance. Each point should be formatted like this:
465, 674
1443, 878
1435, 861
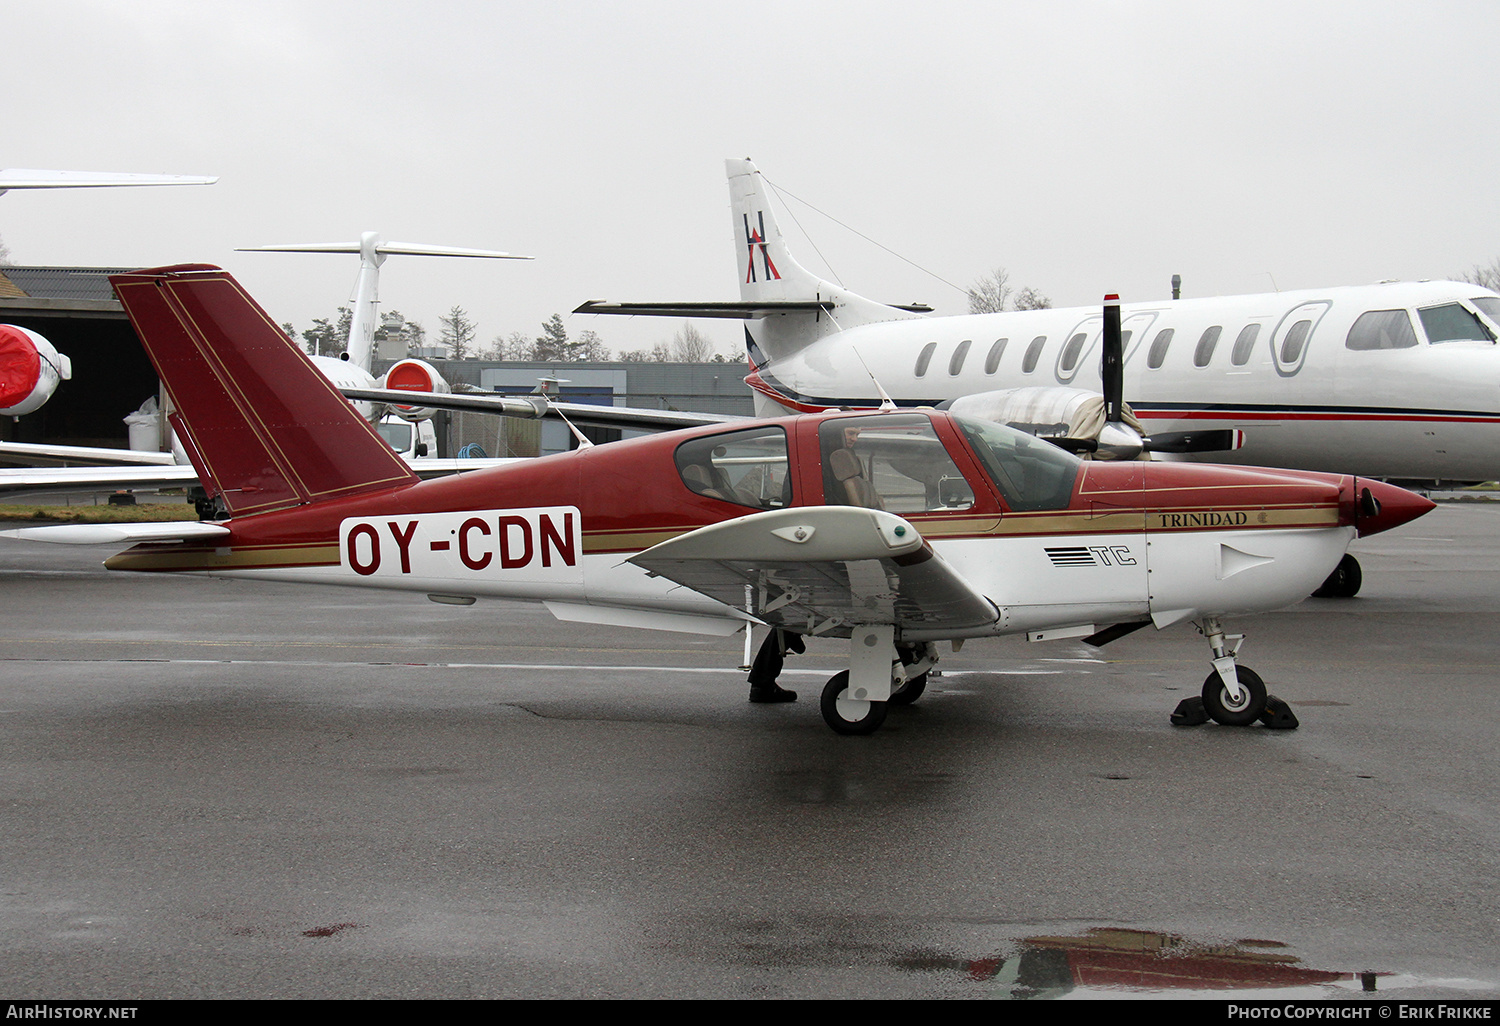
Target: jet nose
1380, 506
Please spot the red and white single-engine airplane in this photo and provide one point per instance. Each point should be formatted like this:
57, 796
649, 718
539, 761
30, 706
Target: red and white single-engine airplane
893, 529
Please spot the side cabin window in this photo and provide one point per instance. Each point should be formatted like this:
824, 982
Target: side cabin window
1381, 329
1244, 345
1206, 343
895, 462
956, 364
1072, 349
992, 361
1158, 351
1296, 338
1452, 323
1033, 354
925, 357
1029, 473
744, 467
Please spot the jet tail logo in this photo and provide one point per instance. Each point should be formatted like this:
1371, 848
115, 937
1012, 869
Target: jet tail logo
758, 238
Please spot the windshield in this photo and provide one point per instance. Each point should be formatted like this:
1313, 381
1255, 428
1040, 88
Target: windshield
1031, 474
397, 435
1452, 323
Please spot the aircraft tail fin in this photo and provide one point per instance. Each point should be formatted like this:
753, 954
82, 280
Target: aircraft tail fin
264, 429
769, 274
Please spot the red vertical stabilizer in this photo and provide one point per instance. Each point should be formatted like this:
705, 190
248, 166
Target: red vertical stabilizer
264, 429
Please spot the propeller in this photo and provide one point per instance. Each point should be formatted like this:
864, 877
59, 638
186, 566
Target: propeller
1120, 437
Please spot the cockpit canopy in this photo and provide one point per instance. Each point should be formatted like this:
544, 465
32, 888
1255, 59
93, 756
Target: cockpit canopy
903, 463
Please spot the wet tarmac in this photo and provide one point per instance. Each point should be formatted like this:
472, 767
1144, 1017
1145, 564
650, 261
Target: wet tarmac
229, 789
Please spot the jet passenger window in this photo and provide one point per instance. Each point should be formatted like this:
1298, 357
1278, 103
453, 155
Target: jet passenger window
895, 463
925, 357
744, 467
1381, 329
1452, 323
1033, 354
992, 361
956, 364
1158, 351
1291, 346
1206, 343
1072, 349
1244, 345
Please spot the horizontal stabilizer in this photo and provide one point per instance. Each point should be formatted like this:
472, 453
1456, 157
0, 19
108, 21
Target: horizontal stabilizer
120, 534
32, 454
822, 570
384, 249
532, 407
25, 178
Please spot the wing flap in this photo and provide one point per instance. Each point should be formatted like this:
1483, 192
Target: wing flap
822, 570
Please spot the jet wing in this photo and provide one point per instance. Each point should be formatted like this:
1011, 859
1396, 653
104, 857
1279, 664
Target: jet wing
532, 407
822, 570
744, 311
120, 534
32, 454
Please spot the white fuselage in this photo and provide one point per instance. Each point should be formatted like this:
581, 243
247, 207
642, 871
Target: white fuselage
1398, 404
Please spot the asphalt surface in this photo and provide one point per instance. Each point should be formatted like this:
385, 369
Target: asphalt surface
232, 789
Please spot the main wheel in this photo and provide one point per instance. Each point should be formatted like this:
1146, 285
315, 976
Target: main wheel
1344, 582
909, 692
1219, 705
849, 715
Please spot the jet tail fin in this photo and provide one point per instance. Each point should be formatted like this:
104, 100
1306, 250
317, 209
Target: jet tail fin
770, 275
264, 429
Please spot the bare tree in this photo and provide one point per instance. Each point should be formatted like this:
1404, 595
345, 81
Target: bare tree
1030, 299
4, 254
1485, 277
590, 347
989, 292
458, 333
690, 345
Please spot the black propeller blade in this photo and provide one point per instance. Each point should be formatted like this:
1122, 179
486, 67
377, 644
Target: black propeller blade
1113, 369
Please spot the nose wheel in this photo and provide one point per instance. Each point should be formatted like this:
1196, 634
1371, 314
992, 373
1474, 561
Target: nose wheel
1235, 710
847, 714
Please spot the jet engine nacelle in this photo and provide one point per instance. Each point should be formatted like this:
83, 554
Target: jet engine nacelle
30, 370
415, 376
1047, 411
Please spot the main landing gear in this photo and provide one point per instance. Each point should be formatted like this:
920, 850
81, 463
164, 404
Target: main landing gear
856, 700
1344, 582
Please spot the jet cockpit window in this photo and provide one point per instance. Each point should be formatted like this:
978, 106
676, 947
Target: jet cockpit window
1030, 473
1381, 329
896, 463
925, 357
1033, 354
1489, 306
744, 467
1452, 323
992, 361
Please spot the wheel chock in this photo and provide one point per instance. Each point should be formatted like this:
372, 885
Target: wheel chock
1279, 715
1190, 712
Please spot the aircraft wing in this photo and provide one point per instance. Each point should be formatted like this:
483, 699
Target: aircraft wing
533, 407
735, 311
17, 483
823, 569
31, 454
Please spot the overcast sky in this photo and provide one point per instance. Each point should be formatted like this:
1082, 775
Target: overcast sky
1086, 147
